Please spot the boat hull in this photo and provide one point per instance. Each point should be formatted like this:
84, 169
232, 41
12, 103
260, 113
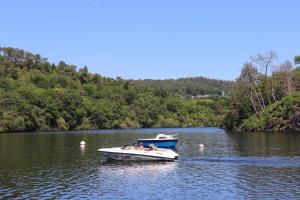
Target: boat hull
132, 157
170, 143
139, 154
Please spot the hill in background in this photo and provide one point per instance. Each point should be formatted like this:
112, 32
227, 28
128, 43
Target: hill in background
189, 87
36, 95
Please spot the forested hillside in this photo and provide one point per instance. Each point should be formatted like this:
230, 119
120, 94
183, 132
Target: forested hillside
38, 95
189, 86
266, 96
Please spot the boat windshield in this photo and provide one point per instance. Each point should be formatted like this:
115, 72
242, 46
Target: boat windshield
128, 146
162, 138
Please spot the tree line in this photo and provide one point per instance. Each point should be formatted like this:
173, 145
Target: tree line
36, 95
189, 87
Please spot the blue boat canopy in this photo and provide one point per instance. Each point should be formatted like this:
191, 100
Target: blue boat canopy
161, 141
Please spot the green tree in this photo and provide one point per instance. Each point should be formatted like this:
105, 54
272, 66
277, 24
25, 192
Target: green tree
297, 60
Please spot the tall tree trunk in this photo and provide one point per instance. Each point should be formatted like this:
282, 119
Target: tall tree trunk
261, 97
289, 83
272, 88
257, 96
253, 102
267, 91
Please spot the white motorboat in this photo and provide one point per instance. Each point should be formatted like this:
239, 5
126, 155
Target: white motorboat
133, 153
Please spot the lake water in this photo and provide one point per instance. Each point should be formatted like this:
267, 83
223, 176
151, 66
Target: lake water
231, 166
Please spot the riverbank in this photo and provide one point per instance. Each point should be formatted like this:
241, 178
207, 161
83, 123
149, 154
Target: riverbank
265, 102
282, 116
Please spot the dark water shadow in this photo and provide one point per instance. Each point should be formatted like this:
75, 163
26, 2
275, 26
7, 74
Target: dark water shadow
131, 163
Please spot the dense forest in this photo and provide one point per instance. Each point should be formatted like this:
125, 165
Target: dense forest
36, 95
189, 87
266, 96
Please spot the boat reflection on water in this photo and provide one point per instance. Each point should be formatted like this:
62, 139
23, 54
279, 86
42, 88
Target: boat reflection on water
130, 178
137, 168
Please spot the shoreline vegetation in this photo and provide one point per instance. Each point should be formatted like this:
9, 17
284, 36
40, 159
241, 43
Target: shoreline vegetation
266, 96
36, 95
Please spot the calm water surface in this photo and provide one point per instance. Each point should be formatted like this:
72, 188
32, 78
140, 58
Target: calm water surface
231, 166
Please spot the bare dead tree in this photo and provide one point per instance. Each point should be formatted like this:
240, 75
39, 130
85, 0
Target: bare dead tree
286, 70
264, 61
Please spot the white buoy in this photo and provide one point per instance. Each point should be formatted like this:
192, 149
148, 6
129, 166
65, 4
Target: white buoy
201, 148
82, 143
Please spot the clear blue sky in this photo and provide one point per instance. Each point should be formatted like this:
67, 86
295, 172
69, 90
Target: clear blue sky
153, 38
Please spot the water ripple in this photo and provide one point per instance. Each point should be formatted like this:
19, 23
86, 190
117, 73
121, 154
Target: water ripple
250, 160
253, 166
